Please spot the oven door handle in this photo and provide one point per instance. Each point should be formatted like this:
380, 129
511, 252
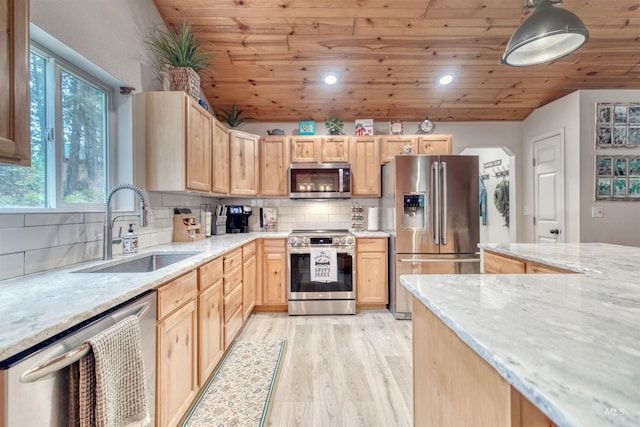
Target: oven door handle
70, 357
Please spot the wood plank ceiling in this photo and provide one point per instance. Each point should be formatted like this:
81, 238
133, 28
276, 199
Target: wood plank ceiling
271, 54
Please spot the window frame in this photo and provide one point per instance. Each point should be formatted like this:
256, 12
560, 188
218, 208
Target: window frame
54, 147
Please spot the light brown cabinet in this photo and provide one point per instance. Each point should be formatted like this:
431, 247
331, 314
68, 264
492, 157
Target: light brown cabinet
15, 132
176, 135
220, 159
249, 279
305, 149
232, 295
334, 149
244, 164
392, 145
274, 274
274, 166
372, 290
210, 321
177, 365
364, 152
453, 385
494, 263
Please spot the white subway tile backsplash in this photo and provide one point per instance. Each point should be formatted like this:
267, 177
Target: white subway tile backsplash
32, 220
70, 234
60, 256
11, 220
92, 250
11, 265
90, 217
27, 238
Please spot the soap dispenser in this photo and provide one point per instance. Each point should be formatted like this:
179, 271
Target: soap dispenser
130, 242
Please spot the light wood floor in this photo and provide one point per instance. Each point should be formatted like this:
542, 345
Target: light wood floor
340, 371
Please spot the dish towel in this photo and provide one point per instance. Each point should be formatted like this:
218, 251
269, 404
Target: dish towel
324, 264
108, 385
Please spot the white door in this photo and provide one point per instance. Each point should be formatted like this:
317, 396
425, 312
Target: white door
548, 155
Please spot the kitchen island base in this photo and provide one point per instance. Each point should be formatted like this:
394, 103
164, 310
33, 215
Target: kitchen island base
453, 385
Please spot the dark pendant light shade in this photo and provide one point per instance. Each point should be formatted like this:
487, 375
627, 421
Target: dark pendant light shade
548, 34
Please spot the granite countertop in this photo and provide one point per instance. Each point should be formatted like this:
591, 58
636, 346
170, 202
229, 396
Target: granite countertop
36, 307
570, 343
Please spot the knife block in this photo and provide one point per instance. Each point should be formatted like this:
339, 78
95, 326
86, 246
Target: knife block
186, 229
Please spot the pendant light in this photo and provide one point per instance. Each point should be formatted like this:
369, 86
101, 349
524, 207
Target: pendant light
548, 34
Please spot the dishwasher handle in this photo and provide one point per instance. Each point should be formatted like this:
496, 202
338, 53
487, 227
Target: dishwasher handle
70, 357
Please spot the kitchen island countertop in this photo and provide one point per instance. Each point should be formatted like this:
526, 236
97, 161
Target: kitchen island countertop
569, 343
36, 307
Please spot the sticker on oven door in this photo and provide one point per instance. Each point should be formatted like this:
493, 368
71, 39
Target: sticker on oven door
324, 265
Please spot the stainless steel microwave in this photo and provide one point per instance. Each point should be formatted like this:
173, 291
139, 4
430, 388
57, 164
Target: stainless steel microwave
320, 180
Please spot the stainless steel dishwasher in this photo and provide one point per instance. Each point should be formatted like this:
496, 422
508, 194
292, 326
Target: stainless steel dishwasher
37, 381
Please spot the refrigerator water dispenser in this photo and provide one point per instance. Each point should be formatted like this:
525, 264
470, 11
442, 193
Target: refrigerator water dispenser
414, 215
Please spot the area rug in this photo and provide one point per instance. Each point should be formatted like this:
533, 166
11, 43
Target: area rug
239, 392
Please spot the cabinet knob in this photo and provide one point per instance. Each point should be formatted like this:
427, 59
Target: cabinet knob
554, 231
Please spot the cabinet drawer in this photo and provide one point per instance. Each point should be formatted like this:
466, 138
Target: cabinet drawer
232, 280
498, 264
232, 327
232, 260
533, 268
232, 302
209, 274
371, 245
274, 245
248, 250
173, 294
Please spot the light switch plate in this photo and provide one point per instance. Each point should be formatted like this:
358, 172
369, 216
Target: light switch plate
597, 212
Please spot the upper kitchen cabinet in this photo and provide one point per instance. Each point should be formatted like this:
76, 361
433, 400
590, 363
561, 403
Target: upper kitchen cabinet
435, 144
364, 152
244, 163
319, 149
274, 165
177, 135
220, 179
15, 139
393, 145
305, 149
334, 149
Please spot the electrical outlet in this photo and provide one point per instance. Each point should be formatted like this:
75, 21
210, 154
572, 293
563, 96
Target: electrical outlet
597, 212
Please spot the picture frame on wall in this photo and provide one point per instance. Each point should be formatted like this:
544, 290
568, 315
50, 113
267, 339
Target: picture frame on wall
617, 177
617, 125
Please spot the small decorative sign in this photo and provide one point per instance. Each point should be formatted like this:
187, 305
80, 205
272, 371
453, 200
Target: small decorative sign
364, 127
395, 127
307, 127
617, 177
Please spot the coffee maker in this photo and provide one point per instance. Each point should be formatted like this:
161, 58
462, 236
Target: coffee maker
238, 219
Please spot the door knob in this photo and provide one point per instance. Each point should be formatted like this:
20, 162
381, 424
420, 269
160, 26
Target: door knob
554, 231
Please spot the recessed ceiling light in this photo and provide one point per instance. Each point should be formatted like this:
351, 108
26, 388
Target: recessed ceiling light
445, 79
330, 78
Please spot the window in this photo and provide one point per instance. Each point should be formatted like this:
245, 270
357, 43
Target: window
69, 122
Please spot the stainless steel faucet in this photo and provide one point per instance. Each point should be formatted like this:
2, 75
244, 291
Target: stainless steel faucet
107, 252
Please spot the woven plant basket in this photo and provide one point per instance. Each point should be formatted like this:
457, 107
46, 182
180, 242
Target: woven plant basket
186, 79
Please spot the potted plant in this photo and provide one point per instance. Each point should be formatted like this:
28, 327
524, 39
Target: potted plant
232, 117
178, 50
334, 125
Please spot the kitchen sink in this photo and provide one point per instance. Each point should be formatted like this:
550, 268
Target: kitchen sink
143, 264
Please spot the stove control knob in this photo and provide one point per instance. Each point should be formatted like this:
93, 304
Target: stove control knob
293, 241
350, 240
305, 241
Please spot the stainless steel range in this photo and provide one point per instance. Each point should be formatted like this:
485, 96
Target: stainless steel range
321, 272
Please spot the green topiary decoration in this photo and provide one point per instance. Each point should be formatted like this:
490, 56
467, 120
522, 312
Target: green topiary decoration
334, 125
232, 117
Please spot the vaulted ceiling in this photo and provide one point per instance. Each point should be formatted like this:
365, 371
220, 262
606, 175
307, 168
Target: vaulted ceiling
270, 56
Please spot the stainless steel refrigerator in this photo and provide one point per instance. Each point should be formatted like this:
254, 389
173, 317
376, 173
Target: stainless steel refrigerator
430, 208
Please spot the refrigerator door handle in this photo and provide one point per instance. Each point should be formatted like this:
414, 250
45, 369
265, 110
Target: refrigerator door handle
443, 170
435, 197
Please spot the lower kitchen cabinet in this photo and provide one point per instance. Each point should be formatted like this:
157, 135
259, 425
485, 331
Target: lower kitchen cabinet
232, 285
177, 365
249, 279
274, 274
372, 289
494, 263
210, 320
